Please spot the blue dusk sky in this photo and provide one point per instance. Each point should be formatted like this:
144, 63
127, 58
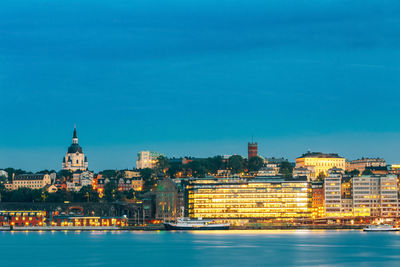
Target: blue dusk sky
197, 78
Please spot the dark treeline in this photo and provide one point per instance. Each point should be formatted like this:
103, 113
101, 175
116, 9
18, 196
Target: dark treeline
86, 194
208, 166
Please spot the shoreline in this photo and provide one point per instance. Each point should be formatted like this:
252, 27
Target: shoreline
161, 228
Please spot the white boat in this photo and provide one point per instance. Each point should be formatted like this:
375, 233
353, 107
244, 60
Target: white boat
193, 224
380, 228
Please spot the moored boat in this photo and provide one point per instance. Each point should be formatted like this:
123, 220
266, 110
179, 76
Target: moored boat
193, 224
380, 228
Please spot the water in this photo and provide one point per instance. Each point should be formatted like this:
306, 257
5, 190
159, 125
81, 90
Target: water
224, 248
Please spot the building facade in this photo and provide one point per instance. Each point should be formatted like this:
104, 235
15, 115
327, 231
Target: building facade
319, 163
251, 199
363, 163
375, 196
32, 181
147, 159
74, 159
252, 150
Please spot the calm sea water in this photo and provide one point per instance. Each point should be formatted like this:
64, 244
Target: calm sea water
224, 248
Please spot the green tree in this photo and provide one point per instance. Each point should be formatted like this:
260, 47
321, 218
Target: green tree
111, 192
367, 172
64, 174
236, 163
162, 163
148, 178
88, 194
109, 173
286, 169
255, 163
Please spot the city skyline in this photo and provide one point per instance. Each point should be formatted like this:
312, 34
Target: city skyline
241, 149
198, 79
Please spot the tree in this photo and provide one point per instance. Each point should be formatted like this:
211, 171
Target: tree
236, 163
111, 192
255, 163
162, 163
109, 173
64, 173
148, 178
367, 172
286, 169
88, 194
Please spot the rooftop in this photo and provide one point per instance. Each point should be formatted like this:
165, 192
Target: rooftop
319, 155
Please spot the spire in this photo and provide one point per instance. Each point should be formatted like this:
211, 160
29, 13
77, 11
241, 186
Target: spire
75, 137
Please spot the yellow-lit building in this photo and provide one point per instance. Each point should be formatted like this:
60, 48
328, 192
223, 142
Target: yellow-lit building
320, 163
32, 181
258, 198
318, 200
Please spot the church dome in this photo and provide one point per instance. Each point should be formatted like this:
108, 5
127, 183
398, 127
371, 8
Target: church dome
75, 148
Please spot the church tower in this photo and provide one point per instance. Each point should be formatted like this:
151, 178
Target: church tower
75, 160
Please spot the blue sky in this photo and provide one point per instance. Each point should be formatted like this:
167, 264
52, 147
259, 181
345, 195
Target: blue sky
197, 78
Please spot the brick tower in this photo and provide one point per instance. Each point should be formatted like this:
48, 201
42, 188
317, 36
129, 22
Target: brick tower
252, 150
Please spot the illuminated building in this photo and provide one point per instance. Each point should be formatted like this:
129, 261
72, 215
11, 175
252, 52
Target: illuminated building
361, 164
132, 174
32, 181
258, 199
389, 196
333, 197
147, 159
22, 218
302, 172
375, 196
167, 200
72, 220
318, 200
252, 150
320, 163
74, 159
366, 196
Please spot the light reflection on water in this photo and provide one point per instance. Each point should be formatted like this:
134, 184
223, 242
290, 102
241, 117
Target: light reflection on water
200, 248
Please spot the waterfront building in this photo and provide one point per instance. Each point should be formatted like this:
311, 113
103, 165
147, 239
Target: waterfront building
319, 163
147, 159
366, 196
333, 194
338, 194
167, 201
375, 196
252, 150
259, 199
318, 200
86, 221
363, 163
22, 218
389, 196
32, 181
75, 159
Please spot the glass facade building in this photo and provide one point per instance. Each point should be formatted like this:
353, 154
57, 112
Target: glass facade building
254, 198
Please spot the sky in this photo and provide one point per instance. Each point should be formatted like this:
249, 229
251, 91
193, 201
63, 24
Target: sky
197, 78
